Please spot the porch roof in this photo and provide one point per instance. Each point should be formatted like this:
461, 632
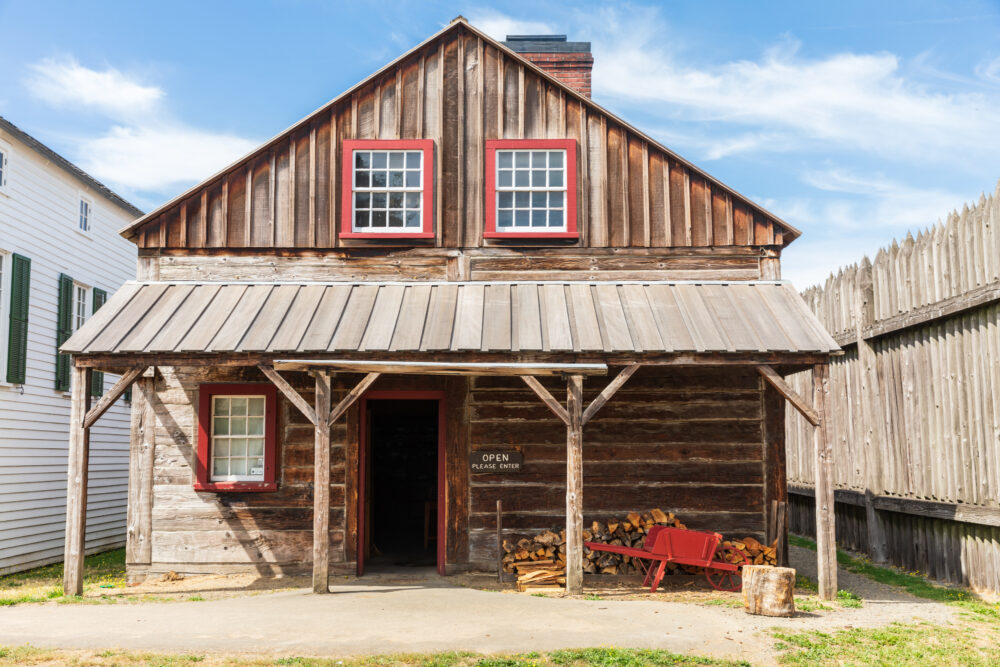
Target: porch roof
519, 317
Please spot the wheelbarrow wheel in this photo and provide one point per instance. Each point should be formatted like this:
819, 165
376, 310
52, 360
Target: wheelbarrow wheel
726, 580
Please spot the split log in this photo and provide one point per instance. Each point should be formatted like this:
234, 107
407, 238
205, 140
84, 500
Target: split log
768, 591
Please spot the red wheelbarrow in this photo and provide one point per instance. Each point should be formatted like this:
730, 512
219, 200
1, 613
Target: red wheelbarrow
685, 547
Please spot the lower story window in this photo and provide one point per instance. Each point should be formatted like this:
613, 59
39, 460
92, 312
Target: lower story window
236, 437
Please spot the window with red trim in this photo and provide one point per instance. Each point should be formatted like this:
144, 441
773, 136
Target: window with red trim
388, 189
531, 188
237, 427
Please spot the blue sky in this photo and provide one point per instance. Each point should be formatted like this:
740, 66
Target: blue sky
855, 121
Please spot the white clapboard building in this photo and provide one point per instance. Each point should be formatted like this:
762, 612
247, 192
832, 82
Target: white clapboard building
60, 256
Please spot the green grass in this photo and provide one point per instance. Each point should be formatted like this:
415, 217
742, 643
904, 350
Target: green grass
895, 644
810, 604
45, 583
587, 657
914, 584
723, 602
848, 599
592, 596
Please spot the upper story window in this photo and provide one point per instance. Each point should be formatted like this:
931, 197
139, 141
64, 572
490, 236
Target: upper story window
388, 189
236, 437
3, 168
80, 301
531, 188
86, 209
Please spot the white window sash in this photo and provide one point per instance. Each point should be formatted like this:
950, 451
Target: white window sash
387, 190
498, 189
212, 443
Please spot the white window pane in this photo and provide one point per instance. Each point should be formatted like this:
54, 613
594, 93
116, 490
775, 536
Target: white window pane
221, 426
505, 179
220, 448
256, 406
505, 159
379, 159
555, 179
238, 406
255, 447
220, 468
413, 219
362, 159
413, 159
522, 159
238, 425
238, 447
538, 159
555, 218
555, 159
238, 467
221, 405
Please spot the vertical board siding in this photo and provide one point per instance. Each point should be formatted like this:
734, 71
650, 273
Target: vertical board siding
38, 220
685, 440
460, 91
921, 419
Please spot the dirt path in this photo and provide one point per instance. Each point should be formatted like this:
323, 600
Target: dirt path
421, 612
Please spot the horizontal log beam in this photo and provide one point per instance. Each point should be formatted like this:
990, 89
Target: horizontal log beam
439, 368
982, 516
790, 394
791, 360
117, 389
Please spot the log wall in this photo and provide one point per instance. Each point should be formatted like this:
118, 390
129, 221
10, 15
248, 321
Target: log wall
460, 90
684, 440
915, 401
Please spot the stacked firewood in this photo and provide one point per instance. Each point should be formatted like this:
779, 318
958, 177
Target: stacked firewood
546, 552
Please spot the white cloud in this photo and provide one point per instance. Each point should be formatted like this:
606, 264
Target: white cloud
159, 157
63, 82
498, 25
858, 101
145, 149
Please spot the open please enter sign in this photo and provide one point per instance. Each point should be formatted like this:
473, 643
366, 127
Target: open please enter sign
495, 461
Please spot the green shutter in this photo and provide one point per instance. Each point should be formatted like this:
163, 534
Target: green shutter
17, 340
64, 329
97, 378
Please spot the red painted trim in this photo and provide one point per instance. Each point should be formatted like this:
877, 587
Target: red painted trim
492, 145
347, 186
203, 480
442, 507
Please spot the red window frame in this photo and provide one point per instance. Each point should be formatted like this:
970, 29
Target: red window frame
203, 479
347, 186
492, 145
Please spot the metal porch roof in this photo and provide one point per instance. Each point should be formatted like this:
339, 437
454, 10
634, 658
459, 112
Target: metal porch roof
610, 317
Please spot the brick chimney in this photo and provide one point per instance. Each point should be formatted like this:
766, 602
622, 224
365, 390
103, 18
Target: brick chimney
570, 62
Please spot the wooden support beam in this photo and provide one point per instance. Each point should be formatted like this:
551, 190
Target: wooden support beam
826, 545
609, 391
321, 487
574, 485
437, 368
289, 392
124, 382
790, 394
353, 395
76, 485
139, 520
547, 398
321, 479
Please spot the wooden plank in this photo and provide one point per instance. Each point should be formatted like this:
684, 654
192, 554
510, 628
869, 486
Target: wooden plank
547, 398
298, 318
468, 328
108, 399
497, 318
439, 367
183, 319
290, 393
556, 333
812, 415
212, 319
149, 326
321, 486
139, 519
826, 545
240, 318
76, 485
412, 317
527, 323
574, 485
319, 331
439, 327
640, 315
608, 392
354, 319
614, 323
775, 471
584, 321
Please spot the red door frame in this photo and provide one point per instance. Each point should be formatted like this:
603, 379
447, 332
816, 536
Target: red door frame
363, 455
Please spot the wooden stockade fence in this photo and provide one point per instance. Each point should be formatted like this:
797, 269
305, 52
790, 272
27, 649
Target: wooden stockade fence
914, 402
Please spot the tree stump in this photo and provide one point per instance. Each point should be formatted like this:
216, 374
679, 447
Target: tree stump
768, 591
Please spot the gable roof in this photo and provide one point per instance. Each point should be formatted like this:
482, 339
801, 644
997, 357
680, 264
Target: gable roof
460, 23
67, 166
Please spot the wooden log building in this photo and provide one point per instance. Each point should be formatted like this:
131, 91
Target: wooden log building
330, 336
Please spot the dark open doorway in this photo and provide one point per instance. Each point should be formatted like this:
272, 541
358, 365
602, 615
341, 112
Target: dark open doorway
401, 487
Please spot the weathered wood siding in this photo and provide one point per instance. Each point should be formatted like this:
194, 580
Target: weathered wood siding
685, 440
459, 91
915, 401
269, 533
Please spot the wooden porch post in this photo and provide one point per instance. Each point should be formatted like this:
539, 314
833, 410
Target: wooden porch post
826, 546
321, 487
76, 486
574, 486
